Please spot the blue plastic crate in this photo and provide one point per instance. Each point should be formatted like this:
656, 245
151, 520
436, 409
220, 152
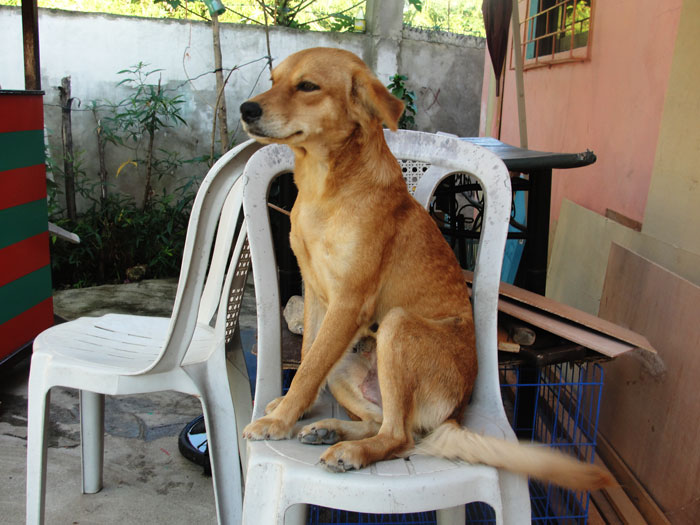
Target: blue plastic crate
565, 416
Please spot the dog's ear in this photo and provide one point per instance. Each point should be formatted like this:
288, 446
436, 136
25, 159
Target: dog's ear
371, 99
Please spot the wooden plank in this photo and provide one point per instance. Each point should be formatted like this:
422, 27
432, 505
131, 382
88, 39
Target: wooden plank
579, 256
569, 313
607, 346
624, 508
30, 32
623, 219
614, 505
604, 507
594, 517
653, 422
631, 485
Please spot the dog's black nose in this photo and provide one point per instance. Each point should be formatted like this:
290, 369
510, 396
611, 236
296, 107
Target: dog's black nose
250, 111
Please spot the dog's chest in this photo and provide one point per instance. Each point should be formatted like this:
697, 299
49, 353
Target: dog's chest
324, 244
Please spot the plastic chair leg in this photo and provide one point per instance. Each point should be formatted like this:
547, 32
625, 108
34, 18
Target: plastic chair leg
92, 411
37, 431
240, 393
451, 516
264, 497
225, 466
516, 507
296, 514
222, 444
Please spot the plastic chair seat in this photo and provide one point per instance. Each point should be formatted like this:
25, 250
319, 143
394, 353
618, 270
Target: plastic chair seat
117, 343
433, 479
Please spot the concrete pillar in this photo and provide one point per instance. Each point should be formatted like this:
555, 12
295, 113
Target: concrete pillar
384, 26
385, 18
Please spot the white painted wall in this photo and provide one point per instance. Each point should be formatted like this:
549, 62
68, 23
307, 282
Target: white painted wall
445, 71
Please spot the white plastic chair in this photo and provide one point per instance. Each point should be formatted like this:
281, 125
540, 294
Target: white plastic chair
283, 476
128, 354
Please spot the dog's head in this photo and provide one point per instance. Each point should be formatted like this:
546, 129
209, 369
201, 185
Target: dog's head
319, 95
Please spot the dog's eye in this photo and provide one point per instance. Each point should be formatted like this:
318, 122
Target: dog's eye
307, 86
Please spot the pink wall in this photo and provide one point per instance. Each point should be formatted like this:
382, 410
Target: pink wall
611, 104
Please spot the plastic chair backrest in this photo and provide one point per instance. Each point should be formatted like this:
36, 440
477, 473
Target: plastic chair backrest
216, 209
445, 155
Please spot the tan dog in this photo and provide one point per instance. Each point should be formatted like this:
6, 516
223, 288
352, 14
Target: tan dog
374, 265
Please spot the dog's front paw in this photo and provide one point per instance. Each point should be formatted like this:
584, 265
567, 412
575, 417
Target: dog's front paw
313, 435
267, 428
343, 456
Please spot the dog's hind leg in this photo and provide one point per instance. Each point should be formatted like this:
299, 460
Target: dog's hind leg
367, 415
422, 383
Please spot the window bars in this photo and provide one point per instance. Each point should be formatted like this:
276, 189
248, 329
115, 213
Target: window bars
555, 31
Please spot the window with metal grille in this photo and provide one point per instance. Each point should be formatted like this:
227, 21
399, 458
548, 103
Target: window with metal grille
555, 31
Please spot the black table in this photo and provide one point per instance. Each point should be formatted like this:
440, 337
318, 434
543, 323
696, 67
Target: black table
538, 166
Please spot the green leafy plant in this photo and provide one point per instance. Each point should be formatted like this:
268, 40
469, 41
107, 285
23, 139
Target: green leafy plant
457, 16
116, 233
324, 15
148, 109
398, 88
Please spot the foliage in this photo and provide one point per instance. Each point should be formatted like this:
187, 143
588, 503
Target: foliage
318, 15
398, 88
582, 18
323, 15
457, 16
148, 109
116, 233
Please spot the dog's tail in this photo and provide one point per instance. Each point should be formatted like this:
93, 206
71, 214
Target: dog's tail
451, 441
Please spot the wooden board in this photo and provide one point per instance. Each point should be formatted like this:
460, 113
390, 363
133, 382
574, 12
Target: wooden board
653, 423
636, 492
568, 322
607, 346
579, 256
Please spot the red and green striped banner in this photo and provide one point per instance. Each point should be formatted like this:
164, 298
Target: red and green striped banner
26, 307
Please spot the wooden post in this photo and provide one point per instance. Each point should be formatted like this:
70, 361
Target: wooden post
67, 138
101, 143
519, 84
30, 31
220, 85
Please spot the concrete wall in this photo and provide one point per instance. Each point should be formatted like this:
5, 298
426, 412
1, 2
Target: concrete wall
445, 71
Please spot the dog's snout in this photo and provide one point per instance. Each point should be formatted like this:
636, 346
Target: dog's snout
250, 111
